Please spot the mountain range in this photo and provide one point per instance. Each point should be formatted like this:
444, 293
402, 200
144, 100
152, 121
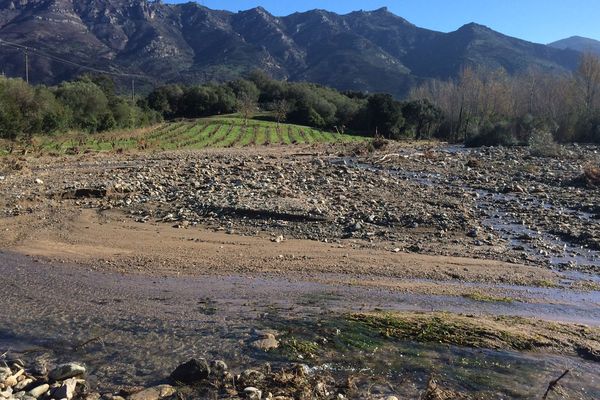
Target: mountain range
374, 51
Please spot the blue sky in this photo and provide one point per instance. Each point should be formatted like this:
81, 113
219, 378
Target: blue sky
540, 21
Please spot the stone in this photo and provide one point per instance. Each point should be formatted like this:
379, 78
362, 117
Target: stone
92, 396
191, 372
4, 373
39, 391
66, 390
278, 239
10, 381
253, 393
218, 368
266, 344
39, 181
25, 382
473, 233
251, 377
153, 393
66, 371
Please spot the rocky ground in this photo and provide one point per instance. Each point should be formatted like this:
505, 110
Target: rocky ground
501, 204
195, 379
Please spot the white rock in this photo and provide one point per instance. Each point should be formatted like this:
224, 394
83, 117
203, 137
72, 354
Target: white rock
21, 385
11, 381
39, 181
278, 239
7, 393
39, 391
253, 393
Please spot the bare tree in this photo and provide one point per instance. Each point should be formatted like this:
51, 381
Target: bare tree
589, 80
246, 106
281, 110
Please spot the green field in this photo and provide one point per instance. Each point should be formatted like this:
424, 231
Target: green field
219, 132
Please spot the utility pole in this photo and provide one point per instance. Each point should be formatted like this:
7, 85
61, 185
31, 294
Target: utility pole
26, 66
133, 91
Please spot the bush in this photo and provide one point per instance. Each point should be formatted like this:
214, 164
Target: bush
542, 144
87, 102
499, 134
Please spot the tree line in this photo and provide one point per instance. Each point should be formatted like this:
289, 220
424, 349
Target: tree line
485, 107
481, 107
300, 103
90, 104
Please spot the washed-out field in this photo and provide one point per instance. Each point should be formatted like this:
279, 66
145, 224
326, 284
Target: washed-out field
415, 270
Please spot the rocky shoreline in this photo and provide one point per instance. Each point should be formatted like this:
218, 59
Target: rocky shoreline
197, 379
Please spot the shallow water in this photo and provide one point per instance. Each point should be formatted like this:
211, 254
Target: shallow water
139, 328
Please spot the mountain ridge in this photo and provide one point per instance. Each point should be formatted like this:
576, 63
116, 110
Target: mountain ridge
375, 51
578, 43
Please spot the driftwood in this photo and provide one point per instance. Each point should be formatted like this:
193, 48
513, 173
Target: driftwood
382, 159
553, 384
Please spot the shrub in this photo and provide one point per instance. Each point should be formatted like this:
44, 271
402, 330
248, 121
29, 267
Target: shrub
499, 134
542, 144
591, 176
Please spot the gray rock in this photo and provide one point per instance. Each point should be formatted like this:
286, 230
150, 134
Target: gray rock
191, 372
66, 371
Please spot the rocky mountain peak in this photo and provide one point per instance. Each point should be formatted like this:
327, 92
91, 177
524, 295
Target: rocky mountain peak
365, 50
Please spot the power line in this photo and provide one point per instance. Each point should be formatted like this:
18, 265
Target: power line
40, 53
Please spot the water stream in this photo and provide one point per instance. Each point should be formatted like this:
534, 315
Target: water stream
133, 330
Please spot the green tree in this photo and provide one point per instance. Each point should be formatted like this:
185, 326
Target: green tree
421, 115
384, 116
87, 103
